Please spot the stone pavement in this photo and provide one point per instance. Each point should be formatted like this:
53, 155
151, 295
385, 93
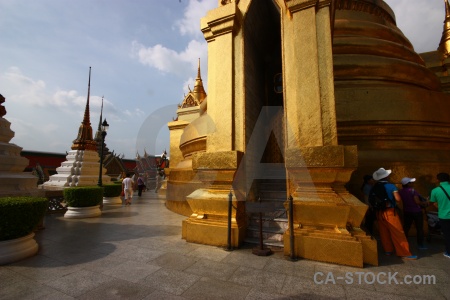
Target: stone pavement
136, 252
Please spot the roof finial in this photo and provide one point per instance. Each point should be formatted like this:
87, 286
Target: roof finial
86, 119
444, 45
199, 91
198, 71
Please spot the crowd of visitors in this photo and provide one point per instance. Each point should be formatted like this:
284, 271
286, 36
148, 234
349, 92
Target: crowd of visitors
385, 199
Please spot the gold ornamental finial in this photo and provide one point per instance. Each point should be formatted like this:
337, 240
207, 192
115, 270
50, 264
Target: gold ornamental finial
444, 44
198, 69
199, 91
84, 139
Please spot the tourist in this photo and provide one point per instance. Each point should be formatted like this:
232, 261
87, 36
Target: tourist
369, 218
122, 176
390, 227
441, 200
412, 210
127, 187
141, 185
159, 179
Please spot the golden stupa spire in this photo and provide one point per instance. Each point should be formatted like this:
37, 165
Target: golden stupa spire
84, 139
444, 45
199, 91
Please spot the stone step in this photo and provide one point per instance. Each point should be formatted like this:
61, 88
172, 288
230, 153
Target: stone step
272, 229
275, 186
270, 224
272, 196
267, 243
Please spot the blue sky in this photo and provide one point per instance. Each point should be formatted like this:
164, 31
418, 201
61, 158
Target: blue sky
143, 54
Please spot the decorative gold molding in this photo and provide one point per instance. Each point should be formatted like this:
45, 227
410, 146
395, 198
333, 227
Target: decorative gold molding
225, 2
189, 101
376, 8
297, 5
218, 22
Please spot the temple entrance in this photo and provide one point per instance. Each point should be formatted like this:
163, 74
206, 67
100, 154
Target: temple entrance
264, 117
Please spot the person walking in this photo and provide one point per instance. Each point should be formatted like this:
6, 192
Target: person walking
412, 210
441, 200
391, 230
127, 187
141, 185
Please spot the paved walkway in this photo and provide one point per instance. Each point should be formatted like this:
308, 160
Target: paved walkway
137, 252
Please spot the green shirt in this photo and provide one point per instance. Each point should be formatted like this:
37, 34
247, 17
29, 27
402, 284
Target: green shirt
438, 195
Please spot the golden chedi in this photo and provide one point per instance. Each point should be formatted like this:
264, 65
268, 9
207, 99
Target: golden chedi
187, 137
321, 90
387, 102
439, 61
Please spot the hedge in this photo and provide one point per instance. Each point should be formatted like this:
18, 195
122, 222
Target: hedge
83, 196
112, 190
20, 215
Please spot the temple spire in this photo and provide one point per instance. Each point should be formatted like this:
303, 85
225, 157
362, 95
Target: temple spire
84, 139
199, 91
98, 135
198, 71
86, 119
100, 122
444, 45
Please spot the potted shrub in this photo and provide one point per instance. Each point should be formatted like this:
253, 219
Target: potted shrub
83, 202
111, 194
19, 216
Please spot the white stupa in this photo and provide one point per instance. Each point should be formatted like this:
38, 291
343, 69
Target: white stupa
13, 181
82, 166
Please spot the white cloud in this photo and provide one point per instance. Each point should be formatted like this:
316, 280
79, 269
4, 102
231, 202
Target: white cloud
181, 63
24, 89
19, 88
169, 61
190, 24
421, 24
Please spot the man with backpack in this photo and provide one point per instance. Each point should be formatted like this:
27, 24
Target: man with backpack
441, 199
382, 199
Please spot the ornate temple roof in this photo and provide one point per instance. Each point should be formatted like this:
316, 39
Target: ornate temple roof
196, 96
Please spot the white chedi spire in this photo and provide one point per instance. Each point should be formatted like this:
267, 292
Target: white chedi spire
14, 182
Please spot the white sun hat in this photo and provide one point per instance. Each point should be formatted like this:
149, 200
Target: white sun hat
406, 180
381, 173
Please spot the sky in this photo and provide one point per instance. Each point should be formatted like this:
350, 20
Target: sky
144, 55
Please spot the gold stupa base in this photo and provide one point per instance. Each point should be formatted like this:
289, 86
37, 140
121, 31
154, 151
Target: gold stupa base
179, 207
181, 183
208, 223
337, 246
211, 232
326, 216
